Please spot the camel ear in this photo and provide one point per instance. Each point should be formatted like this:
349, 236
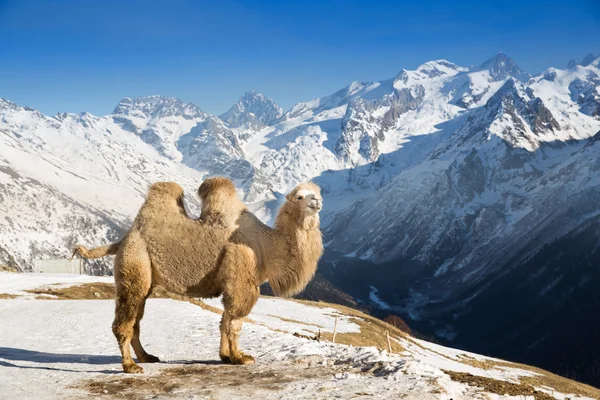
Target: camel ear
289, 197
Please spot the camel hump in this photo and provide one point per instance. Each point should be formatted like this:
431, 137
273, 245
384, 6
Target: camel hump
171, 189
216, 184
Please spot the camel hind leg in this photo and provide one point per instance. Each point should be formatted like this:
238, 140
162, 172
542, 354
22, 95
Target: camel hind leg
239, 279
133, 279
141, 354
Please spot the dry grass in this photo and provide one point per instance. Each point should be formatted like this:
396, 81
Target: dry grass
486, 364
372, 330
7, 296
371, 334
159, 292
8, 268
543, 378
558, 383
88, 291
497, 386
293, 321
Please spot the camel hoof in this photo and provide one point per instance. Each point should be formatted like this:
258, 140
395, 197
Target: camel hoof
148, 358
244, 359
133, 369
225, 359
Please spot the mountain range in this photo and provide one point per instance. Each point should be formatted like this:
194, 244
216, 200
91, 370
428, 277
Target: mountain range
463, 198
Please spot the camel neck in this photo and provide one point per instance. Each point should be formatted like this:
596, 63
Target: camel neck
293, 256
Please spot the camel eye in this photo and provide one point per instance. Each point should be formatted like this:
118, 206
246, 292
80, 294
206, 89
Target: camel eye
299, 198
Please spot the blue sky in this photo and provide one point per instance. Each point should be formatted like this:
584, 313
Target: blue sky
85, 55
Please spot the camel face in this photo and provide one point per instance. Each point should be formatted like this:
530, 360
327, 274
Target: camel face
312, 201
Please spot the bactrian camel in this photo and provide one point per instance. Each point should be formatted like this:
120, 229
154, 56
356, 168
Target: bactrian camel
228, 251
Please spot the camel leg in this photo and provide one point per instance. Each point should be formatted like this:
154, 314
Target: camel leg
140, 353
224, 348
133, 277
240, 293
125, 316
233, 326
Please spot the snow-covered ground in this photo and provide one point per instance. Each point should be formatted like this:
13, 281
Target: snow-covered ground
17, 284
65, 349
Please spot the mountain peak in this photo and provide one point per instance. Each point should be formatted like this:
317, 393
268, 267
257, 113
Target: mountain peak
252, 93
253, 110
502, 66
587, 60
157, 106
437, 68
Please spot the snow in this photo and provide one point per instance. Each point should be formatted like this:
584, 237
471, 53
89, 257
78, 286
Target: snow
49, 349
293, 317
375, 299
16, 284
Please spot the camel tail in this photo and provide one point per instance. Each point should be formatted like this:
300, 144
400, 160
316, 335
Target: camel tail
98, 252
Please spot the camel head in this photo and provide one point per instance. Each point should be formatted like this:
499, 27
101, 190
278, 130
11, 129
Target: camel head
302, 205
307, 198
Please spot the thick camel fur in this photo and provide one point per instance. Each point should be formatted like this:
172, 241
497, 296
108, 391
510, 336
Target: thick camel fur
227, 251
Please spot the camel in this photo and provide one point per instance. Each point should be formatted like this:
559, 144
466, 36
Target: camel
227, 252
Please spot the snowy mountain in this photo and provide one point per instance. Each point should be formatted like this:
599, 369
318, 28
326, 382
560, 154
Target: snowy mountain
252, 111
442, 179
159, 121
501, 67
513, 175
72, 178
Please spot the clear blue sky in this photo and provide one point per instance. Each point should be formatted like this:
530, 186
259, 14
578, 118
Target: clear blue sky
85, 55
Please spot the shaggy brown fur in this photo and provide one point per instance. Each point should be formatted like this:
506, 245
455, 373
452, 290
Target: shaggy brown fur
228, 251
219, 205
215, 193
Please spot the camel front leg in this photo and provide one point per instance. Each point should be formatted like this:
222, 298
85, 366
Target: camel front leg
123, 329
230, 342
238, 274
224, 348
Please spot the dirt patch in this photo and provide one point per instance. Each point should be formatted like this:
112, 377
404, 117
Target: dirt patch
106, 291
7, 296
200, 380
88, 291
497, 386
